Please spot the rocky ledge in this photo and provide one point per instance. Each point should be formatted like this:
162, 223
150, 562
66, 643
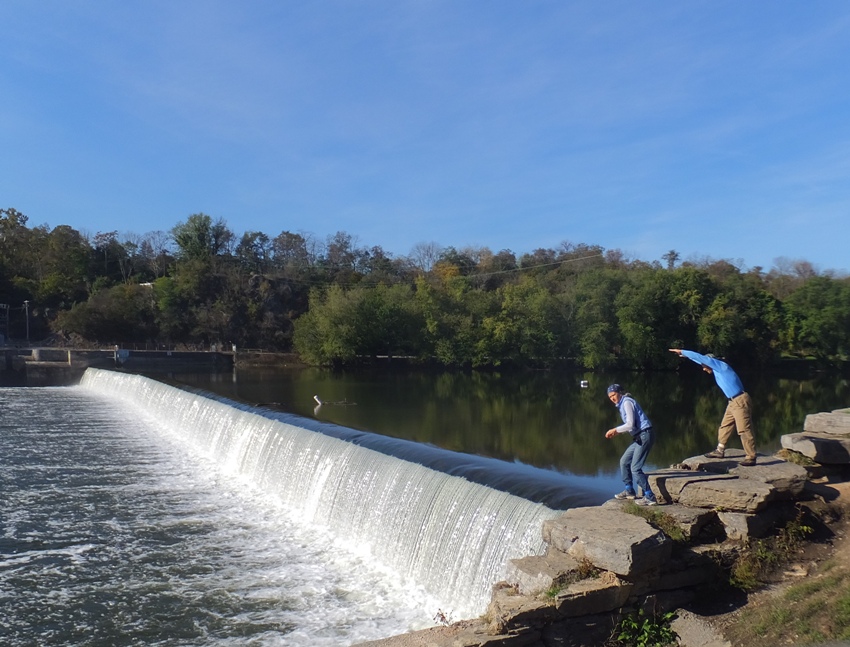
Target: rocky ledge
604, 562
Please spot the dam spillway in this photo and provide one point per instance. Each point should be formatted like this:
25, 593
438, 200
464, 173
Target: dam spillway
115, 533
448, 534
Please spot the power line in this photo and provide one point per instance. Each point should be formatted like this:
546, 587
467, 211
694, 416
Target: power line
325, 281
534, 267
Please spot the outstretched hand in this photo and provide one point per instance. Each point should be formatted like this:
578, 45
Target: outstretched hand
678, 351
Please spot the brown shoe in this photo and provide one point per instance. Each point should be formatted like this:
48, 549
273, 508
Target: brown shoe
715, 454
748, 462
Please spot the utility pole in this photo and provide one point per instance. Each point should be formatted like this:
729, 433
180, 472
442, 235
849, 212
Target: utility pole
27, 317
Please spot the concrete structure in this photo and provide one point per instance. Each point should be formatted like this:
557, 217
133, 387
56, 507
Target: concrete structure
61, 366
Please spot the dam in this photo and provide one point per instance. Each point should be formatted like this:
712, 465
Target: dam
140, 510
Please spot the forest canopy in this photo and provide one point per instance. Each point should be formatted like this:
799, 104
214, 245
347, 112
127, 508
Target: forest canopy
333, 300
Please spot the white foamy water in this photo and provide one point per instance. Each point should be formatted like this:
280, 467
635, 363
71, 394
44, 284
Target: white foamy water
451, 535
112, 533
138, 513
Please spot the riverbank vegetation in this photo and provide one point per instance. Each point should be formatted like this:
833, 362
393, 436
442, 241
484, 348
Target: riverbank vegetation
806, 599
335, 301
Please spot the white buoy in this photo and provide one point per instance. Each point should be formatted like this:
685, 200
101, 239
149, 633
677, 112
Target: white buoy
316, 398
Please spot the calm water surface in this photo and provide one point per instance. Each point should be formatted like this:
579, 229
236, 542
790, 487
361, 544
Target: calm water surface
545, 419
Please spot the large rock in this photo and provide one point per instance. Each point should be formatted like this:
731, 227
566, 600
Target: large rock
824, 448
466, 633
787, 479
701, 488
742, 526
682, 578
596, 595
539, 573
737, 495
610, 539
837, 422
730, 461
509, 611
691, 521
667, 484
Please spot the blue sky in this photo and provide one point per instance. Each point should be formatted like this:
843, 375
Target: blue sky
718, 129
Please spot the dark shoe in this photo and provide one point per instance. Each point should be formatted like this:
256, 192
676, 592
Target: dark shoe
715, 454
748, 462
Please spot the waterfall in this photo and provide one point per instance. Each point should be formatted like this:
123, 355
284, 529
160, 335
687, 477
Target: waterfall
449, 534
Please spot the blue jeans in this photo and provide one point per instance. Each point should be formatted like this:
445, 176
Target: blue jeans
632, 462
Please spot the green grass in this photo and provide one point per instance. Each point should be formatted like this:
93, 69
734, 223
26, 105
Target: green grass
585, 571
761, 556
658, 519
813, 611
795, 457
642, 630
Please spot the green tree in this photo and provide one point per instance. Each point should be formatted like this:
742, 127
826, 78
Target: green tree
454, 315
154, 253
199, 238
647, 316
742, 321
172, 312
599, 342
254, 251
124, 313
342, 325
818, 318
528, 327
18, 249
671, 258
64, 276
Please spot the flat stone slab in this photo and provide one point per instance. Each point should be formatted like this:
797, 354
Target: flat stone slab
612, 540
680, 578
592, 596
737, 495
668, 484
690, 520
509, 610
708, 483
467, 633
730, 461
536, 574
742, 526
824, 448
836, 422
786, 478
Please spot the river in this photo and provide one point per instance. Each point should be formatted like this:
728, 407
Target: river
135, 513
542, 418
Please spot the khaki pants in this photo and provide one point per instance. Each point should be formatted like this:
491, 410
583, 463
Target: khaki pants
739, 417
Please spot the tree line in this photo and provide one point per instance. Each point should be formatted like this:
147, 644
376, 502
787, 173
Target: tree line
336, 301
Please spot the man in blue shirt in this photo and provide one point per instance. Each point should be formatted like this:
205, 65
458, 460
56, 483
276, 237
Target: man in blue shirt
738, 411
637, 424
